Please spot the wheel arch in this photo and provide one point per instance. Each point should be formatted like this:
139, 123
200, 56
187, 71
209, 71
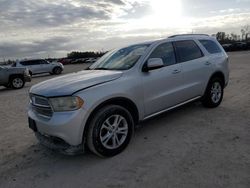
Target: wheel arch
218, 74
121, 101
56, 66
15, 75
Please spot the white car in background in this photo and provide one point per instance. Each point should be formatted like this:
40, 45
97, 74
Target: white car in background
39, 66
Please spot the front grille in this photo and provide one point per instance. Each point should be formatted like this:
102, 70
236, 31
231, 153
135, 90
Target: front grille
41, 106
47, 112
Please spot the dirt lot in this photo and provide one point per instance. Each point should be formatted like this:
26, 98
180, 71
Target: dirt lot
188, 147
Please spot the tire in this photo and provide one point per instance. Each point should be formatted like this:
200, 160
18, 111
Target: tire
17, 82
214, 93
57, 70
104, 137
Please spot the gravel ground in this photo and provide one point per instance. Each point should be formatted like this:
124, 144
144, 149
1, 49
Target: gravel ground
188, 147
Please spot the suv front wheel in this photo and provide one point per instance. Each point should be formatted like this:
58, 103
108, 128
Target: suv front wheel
57, 70
214, 93
110, 131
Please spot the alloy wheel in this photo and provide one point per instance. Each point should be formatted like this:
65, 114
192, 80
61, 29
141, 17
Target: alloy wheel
114, 131
17, 82
216, 92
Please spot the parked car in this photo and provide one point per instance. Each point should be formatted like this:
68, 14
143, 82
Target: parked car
65, 61
14, 77
227, 47
90, 60
99, 108
38, 66
239, 46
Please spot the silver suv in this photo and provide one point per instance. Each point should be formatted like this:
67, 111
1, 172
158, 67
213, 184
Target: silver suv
100, 107
38, 66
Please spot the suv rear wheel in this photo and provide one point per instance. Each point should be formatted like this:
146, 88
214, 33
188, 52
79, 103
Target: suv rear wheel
110, 131
17, 82
214, 93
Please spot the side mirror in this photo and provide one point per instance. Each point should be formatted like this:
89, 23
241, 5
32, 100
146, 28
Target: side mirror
152, 64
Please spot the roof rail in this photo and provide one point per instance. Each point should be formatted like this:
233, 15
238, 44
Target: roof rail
184, 35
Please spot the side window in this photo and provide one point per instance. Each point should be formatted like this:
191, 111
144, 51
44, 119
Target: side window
164, 51
35, 62
210, 46
24, 63
43, 62
187, 50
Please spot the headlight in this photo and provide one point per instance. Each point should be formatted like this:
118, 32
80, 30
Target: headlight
61, 104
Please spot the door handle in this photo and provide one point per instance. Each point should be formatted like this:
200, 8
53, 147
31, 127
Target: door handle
176, 71
207, 63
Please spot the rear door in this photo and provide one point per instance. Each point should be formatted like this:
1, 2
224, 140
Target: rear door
196, 68
34, 66
44, 66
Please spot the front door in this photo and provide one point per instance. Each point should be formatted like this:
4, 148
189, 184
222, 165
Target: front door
162, 86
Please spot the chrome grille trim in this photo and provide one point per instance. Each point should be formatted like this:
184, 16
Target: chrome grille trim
40, 101
41, 106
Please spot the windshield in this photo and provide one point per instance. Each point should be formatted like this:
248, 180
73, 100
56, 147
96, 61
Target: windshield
122, 59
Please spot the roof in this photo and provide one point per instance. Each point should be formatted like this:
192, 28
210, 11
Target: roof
189, 35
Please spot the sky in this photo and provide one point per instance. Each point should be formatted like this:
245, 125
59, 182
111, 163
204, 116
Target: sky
53, 28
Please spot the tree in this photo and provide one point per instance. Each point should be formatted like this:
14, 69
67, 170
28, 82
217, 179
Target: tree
243, 33
246, 31
234, 36
221, 36
76, 55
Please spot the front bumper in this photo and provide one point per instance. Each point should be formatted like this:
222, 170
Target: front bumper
67, 126
59, 145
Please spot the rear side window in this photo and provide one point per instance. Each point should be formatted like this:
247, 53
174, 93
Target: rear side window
210, 46
24, 63
35, 62
28, 63
164, 51
187, 50
43, 62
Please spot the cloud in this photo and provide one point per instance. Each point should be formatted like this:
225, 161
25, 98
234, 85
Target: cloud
32, 13
118, 2
137, 10
36, 28
35, 48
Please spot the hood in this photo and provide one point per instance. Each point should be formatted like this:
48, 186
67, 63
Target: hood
56, 63
71, 83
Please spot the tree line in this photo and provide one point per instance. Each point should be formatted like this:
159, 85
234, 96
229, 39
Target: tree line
88, 54
224, 37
